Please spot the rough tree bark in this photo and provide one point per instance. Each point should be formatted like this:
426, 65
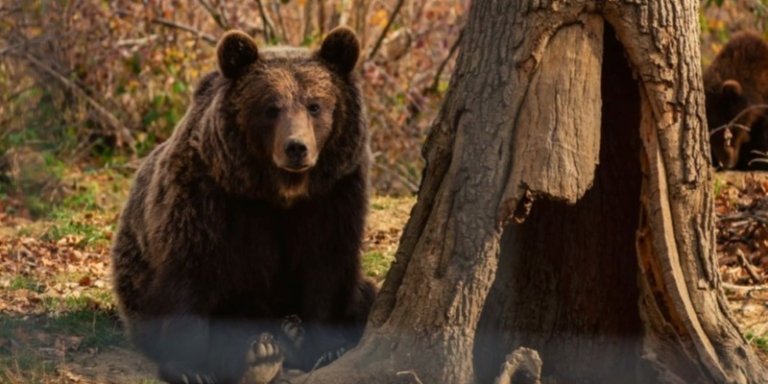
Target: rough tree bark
566, 207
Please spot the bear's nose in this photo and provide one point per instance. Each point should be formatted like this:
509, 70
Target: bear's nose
296, 151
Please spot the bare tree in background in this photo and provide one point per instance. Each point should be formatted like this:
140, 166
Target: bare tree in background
566, 207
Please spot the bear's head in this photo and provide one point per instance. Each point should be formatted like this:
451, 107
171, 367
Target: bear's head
288, 121
729, 122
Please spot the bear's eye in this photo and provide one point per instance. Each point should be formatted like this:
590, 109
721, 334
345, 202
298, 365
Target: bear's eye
314, 109
272, 112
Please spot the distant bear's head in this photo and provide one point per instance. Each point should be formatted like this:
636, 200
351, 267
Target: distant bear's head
291, 118
729, 123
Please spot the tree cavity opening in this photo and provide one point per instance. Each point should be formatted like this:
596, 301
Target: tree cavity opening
567, 280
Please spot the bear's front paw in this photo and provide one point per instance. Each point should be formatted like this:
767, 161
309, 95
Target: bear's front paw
177, 374
293, 331
264, 360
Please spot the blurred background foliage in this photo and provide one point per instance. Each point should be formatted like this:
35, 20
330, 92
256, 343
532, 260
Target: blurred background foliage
719, 19
96, 84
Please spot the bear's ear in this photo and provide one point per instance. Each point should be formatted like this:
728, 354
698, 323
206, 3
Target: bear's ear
341, 49
235, 52
731, 88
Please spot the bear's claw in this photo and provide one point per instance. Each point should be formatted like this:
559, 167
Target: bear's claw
176, 375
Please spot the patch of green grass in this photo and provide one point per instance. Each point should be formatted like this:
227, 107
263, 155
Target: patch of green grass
91, 299
84, 200
25, 365
98, 328
25, 231
384, 202
90, 234
25, 282
37, 206
718, 185
376, 264
760, 341
26, 357
85, 316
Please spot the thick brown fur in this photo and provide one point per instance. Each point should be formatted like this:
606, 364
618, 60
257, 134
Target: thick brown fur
217, 243
736, 80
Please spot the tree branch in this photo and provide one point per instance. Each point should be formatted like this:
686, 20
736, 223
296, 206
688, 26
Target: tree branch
386, 29
280, 21
122, 133
218, 15
172, 24
308, 11
269, 28
436, 80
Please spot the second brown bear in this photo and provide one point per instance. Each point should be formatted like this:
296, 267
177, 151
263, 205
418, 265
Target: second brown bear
252, 211
736, 90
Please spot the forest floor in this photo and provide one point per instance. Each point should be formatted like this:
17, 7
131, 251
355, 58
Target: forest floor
58, 322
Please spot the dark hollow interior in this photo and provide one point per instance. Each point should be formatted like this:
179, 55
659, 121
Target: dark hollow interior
566, 285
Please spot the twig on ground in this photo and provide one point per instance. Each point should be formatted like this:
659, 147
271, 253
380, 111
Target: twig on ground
744, 291
411, 374
749, 267
759, 216
384, 32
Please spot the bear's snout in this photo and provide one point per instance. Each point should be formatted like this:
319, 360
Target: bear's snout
295, 155
294, 147
296, 152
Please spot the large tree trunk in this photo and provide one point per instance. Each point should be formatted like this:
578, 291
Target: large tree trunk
566, 207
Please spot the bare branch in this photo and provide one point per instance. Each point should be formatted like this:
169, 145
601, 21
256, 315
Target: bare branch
122, 133
436, 80
280, 22
172, 24
321, 17
386, 29
729, 125
733, 123
218, 15
309, 6
9, 48
269, 27
399, 174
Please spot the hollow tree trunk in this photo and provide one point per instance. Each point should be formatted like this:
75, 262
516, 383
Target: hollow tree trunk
565, 207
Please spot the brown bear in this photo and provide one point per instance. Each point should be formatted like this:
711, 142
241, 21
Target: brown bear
251, 212
736, 87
